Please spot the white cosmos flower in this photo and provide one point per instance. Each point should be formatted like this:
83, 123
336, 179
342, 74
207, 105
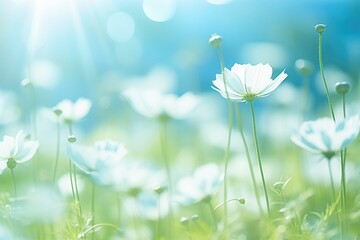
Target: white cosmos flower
73, 111
245, 82
201, 186
97, 160
18, 149
153, 103
327, 137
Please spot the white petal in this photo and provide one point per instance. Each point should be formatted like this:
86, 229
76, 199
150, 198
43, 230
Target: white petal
27, 151
277, 81
81, 108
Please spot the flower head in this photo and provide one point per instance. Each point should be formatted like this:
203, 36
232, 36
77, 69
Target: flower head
327, 137
201, 185
152, 103
215, 40
247, 82
17, 149
73, 111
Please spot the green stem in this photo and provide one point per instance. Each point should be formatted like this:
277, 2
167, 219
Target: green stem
238, 117
99, 225
77, 191
343, 180
331, 180
14, 182
208, 203
258, 157
230, 200
93, 210
163, 142
323, 77
158, 221
57, 148
227, 151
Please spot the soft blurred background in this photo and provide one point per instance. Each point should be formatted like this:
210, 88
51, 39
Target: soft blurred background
93, 48
97, 49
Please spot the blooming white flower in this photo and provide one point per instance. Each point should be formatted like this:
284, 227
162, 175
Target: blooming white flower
201, 186
245, 82
73, 111
96, 161
153, 103
327, 137
17, 149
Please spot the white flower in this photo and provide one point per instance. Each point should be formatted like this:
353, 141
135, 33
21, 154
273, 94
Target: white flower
73, 111
96, 161
133, 177
327, 137
201, 186
247, 82
152, 103
17, 149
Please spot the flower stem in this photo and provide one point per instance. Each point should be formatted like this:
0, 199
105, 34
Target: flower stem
258, 157
323, 77
227, 151
163, 142
93, 210
240, 128
57, 148
331, 180
158, 221
14, 182
343, 180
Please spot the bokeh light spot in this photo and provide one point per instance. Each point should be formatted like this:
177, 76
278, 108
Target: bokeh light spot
159, 10
120, 27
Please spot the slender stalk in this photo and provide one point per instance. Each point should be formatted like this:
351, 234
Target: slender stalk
158, 221
93, 210
14, 183
331, 180
240, 128
230, 200
163, 142
258, 157
227, 151
77, 191
343, 180
208, 203
323, 77
57, 148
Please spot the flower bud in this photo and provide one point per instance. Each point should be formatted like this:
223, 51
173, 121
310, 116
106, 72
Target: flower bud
304, 67
342, 87
26, 82
195, 217
320, 28
184, 220
215, 40
71, 139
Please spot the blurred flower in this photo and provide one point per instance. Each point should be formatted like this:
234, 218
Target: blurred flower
132, 177
43, 204
73, 111
96, 161
201, 186
9, 111
17, 149
152, 103
327, 137
151, 205
247, 82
